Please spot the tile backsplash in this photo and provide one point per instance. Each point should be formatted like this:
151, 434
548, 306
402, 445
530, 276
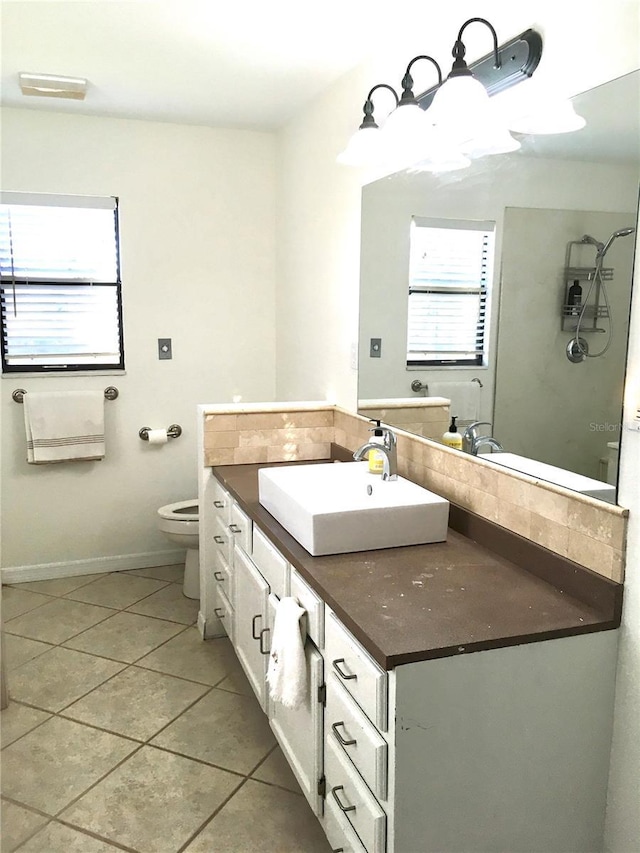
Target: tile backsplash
580, 528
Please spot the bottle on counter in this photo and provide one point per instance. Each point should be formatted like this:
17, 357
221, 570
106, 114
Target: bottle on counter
376, 460
452, 437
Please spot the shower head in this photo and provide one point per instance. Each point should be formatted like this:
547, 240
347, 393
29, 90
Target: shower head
621, 232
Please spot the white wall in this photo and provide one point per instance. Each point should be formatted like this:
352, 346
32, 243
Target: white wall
585, 44
197, 218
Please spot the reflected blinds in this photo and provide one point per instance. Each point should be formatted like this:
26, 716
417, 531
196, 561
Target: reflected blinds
450, 269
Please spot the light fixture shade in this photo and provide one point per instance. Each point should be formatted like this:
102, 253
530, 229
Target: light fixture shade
406, 119
53, 86
492, 138
365, 148
459, 102
551, 115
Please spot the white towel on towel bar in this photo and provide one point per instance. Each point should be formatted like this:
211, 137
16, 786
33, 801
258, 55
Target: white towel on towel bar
464, 396
287, 672
64, 425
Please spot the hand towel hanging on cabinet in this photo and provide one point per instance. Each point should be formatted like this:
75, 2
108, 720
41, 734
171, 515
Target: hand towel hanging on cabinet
64, 425
287, 672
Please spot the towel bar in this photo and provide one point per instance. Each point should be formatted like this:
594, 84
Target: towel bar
111, 393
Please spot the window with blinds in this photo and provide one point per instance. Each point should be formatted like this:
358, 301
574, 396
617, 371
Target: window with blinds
60, 287
449, 273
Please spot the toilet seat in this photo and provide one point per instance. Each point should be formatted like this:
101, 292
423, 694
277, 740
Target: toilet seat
180, 511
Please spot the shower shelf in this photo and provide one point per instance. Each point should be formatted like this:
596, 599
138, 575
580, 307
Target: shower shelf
586, 273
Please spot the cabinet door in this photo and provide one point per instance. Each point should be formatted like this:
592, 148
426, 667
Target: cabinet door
251, 595
299, 730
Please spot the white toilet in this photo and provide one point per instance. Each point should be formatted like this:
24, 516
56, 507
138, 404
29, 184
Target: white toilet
179, 522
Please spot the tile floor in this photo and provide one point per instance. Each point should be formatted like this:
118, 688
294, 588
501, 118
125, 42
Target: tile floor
126, 732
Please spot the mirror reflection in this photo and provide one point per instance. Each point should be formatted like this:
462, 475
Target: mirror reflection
543, 377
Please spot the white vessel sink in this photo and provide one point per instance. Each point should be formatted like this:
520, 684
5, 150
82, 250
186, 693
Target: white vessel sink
328, 509
552, 474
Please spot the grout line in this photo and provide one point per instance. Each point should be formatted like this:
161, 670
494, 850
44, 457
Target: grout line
117, 844
217, 811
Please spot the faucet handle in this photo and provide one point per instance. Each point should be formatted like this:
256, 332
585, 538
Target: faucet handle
470, 431
389, 437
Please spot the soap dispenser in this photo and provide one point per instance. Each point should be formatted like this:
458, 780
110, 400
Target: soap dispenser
376, 459
452, 437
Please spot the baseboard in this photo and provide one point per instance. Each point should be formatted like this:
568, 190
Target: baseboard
93, 566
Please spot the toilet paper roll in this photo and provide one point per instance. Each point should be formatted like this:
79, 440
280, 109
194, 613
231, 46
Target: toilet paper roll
158, 436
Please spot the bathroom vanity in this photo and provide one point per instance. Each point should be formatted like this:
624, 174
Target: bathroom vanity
460, 694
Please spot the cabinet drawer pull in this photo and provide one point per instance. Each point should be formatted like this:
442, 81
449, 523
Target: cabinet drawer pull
235, 529
219, 612
253, 626
345, 809
262, 649
219, 576
219, 540
219, 504
344, 742
342, 674
338, 850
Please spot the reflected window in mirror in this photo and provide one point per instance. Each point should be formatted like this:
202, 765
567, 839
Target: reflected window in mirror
450, 270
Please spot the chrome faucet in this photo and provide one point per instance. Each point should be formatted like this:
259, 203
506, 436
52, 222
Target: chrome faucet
389, 450
472, 441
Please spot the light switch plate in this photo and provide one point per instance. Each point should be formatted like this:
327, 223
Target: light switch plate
164, 348
375, 347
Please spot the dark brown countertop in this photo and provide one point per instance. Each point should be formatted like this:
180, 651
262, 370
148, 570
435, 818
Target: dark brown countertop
429, 601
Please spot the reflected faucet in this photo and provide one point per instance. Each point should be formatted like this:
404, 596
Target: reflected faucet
389, 450
472, 441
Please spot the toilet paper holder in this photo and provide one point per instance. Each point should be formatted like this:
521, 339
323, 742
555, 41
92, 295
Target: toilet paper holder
174, 431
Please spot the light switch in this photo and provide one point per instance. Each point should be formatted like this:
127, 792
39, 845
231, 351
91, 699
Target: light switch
375, 347
164, 348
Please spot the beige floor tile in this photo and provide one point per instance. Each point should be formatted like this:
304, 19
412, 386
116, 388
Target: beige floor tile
59, 677
17, 825
207, 661
16, 720
169, 603
237, 682
55, 763
154, 801
17, 601
276, 771
19, 650
136, 703
125, 636
59, 586
225, 729
57, 621
58, 838
262, 819
118, 590
174, 574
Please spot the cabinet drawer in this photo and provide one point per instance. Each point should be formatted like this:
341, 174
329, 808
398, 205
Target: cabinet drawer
221, 501
348, 727
357, 671
224, 611
355, 800
271, 564
222, 539
339, 831
223, 575
314, 617
240, 526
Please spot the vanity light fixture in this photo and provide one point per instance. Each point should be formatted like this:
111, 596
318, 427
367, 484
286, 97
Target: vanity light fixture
365, 146
462, 120
53, 86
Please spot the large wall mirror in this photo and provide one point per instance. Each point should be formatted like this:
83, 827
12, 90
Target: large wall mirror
543, 199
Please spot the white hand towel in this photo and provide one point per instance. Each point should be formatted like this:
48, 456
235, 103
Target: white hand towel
64, 425
287, 673
464, 396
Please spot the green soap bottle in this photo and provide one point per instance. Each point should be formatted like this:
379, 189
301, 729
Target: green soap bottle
452, 437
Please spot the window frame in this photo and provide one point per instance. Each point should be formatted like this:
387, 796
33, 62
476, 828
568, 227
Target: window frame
7, 282
483, 290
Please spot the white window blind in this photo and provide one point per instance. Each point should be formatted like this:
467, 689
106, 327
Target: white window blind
449, 273
60, 283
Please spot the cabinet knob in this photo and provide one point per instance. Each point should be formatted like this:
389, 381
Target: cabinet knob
345, 676
342, 807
